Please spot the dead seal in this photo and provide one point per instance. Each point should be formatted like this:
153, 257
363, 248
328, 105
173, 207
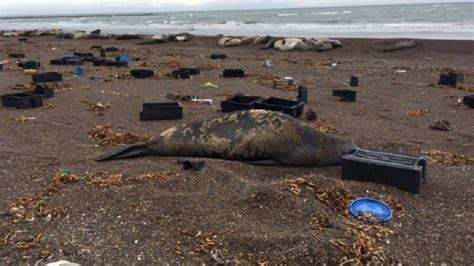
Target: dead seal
257, 136
402, 45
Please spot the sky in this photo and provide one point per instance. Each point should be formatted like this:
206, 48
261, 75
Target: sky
67, 7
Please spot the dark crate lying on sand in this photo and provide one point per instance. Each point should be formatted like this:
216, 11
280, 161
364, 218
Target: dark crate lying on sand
233, 73
142, 73
401, 171
22, 100
47, 77
451, 78
161, 111
180, 74
44, 90
469, 100
293, 108
237, 103
346, 95
192, 70
16, 55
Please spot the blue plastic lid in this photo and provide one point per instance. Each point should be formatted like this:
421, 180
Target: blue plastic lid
371, 210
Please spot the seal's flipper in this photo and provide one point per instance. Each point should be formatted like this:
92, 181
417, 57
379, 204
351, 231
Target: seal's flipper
128, 152
265, 163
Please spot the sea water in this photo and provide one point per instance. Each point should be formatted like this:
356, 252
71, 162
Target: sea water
427, 21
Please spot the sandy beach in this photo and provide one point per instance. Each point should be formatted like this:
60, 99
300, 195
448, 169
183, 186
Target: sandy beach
232, 212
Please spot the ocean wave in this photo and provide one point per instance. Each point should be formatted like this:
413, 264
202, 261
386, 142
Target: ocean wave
328, 13
250, 22
287, 14
346, 12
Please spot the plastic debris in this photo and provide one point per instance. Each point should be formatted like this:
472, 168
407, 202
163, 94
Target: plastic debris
195, 164
371, 210
62, 263
267, 63
209, 85
124, 58
78, 71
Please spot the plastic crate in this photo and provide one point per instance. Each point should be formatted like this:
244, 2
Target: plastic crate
43, 90
302, 94
354, 81
111, 49
141, 73
237, 103
29, 65
218, 56
47, 77
16, 55
22, 100
179, 74
346, 95
110, 63
293, 108
161, 111
401, 171
469, 100
451, 78
192, 70
233, 73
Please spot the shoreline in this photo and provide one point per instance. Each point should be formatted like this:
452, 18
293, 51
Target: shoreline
148, 34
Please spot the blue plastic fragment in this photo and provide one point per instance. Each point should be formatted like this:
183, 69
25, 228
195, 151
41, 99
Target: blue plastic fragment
124, 58
78, 71
379, 210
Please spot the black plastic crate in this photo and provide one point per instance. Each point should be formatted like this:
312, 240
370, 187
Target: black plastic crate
16, 55
293, 108
47, 77
401, 171
44, 90
141, 73
110, 63
218, 56
83, 55
161, 111
346, 95
469, 100
302, 94
22, 100
96, 47
237, 103
451, 78
29, 65
179, 74
233, 73
354, 81
192, 70
111, 49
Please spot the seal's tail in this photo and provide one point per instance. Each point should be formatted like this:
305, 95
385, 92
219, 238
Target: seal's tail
128, 152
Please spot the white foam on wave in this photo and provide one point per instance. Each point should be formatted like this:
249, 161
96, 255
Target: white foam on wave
346, 12
287, 14
328, 13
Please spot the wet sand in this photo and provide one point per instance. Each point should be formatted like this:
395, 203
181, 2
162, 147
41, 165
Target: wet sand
231, 211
